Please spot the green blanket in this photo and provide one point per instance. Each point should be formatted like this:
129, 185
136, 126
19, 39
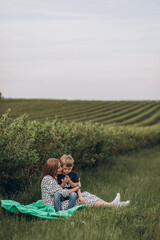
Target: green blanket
38, 209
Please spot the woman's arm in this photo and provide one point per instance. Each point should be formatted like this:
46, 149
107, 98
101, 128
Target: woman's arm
67, 180
74, 189
80, 198
75, 184
52, 186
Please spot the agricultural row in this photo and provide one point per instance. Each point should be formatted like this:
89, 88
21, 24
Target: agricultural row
139, 113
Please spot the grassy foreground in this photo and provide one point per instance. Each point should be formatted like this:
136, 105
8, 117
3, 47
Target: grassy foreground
136, 176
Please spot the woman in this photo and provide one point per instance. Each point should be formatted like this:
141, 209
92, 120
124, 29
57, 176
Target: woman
49, 188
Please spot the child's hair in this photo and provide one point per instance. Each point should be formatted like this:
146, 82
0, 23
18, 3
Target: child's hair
67, 160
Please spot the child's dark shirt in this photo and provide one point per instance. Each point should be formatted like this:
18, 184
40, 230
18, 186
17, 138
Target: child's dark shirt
73, 176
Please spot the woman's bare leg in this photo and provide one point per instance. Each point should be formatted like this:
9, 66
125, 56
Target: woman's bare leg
107, 204
103, 204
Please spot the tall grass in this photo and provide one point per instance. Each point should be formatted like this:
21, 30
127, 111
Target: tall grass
136, 176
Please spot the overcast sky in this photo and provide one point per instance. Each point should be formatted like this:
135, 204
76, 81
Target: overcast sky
80, 49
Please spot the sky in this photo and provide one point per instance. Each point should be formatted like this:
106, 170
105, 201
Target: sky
80, 49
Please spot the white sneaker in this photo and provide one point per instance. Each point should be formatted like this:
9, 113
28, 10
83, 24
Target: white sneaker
123, 204
116, 200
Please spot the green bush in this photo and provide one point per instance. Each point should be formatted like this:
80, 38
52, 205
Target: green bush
17, 152
83, 141
129, 138
25, 146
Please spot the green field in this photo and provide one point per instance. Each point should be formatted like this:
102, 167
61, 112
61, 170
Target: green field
139, 113
136, 176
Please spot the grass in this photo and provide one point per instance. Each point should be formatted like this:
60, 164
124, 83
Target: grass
136, 176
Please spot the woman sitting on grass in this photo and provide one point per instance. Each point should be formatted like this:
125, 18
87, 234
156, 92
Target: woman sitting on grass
50, 186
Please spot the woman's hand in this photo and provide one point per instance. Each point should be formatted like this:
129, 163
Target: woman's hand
79, 184
81, 200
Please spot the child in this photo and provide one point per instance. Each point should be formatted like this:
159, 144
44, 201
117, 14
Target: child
69, 179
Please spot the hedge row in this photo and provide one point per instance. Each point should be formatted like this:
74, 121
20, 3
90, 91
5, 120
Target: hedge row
26, 145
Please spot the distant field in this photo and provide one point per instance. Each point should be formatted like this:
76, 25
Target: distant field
140, 113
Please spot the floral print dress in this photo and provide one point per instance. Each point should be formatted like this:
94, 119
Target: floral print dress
49, 187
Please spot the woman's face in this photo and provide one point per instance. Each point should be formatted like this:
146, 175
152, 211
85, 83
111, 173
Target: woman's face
59, 171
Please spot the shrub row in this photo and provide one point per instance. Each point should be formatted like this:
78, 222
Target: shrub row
26, 145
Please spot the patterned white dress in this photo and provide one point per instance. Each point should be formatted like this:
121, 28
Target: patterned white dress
49, 187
